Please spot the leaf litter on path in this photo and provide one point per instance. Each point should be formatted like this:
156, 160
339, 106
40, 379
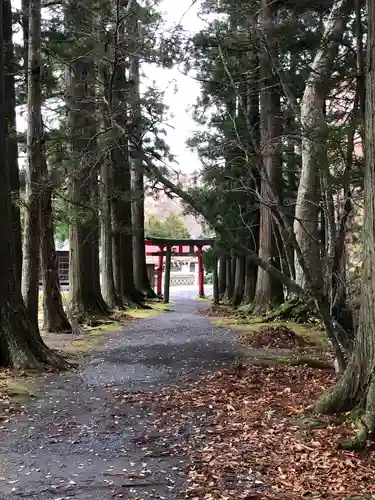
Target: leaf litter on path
248, 434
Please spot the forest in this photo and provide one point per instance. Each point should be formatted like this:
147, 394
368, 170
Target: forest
286, 141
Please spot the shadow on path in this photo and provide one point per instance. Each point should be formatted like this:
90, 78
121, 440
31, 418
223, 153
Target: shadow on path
78, 441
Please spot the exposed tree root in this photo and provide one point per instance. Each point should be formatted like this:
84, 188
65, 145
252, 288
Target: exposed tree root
351, 394
89, 312
260, 306
293, 310
149, 293
134, 300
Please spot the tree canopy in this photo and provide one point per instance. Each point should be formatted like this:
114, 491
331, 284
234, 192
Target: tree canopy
173, 226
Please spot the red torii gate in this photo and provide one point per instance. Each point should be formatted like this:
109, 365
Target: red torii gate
186, 248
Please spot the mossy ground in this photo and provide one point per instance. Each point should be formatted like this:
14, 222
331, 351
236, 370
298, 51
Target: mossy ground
156, 308
16, 390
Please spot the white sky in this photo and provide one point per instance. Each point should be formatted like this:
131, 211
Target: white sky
180, 128
180, 91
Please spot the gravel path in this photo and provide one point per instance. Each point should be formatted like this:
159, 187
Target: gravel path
77, 441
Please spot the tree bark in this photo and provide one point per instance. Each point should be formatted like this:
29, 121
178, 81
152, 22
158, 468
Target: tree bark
21, 346
222, 275
268, 292
55, 319
251, 270
108, 282
239, 282
215, 280
250, 281
10, 99
356, 387
313, 149
85, 296
121, 211
122, 227
25, 47
94, 239
141, 279
229, 279
31, 241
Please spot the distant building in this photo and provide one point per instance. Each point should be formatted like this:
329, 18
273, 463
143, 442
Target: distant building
183, 271
62, 252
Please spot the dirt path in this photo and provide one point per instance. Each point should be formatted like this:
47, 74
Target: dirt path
77, 441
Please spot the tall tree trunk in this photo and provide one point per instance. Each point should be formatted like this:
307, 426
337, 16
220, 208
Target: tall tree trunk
31, 241
313, 125
229, 279
55, 318
121, 212
222, 275
357, 385
141, 279
108, 283
25, 47
250, 281
85, 296
20, 343
254, 178
122, 227
239, 282
10, 99
94, 238
292, 165
268, 292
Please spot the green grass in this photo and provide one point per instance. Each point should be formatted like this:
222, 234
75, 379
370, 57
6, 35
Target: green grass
84, 346
114, 326
160, 306
156, 308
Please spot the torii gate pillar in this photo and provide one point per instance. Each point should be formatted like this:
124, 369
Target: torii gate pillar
167, 274
200, 273
160, 273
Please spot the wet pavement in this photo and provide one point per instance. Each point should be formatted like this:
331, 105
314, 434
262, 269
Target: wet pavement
79, 440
